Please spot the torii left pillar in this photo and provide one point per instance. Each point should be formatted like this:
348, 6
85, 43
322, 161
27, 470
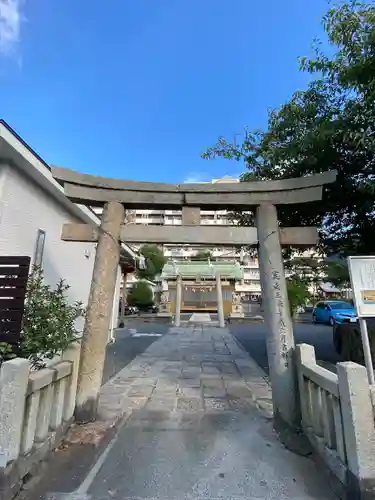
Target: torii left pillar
177, 318
99, 310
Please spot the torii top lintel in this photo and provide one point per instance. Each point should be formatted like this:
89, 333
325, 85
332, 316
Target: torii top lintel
96, 191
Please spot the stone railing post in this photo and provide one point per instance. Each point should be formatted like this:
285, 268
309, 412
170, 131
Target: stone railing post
305, 354
14, 377
71, 354
359, 431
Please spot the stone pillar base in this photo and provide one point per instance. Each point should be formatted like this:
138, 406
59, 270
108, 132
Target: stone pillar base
237, 311
164, 315
164, 310
236, 315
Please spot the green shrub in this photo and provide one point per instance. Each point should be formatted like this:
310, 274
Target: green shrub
6, 352
154, 262
140, 295
298, 294
49, 320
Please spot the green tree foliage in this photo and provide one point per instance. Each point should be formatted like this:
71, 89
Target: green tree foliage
314, 271
202, 255
330, 125
337, 273
49, 321
154, 260
298, 294
308, 270
140, 295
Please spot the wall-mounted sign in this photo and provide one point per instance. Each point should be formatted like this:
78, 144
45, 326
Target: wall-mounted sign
362, 277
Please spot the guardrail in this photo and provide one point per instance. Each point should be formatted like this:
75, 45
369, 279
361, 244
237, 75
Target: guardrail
338, 419
36, 409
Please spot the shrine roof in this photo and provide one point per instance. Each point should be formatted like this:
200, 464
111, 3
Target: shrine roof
204, 269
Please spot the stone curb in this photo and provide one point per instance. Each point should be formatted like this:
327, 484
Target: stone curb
258, 382
254, 365
258, 320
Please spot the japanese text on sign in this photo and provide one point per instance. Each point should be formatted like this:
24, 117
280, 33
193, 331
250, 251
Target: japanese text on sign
362, 277
280, 306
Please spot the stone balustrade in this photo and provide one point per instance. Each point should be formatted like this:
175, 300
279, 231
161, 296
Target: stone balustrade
338, 419
36, 409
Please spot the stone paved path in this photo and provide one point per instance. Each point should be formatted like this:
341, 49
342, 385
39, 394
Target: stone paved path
199, 427
190, 368
200, 318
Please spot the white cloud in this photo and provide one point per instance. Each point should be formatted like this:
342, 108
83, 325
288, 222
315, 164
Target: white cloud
198, 177
194, 177
10, 20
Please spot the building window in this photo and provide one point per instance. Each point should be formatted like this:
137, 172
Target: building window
39, 247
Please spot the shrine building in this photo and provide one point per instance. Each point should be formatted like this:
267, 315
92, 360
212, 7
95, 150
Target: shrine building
199, 291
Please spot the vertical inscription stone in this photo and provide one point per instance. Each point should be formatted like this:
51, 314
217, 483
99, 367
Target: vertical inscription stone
280, 341
280, 310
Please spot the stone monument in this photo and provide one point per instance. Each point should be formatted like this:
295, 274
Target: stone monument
237, 307
164, 305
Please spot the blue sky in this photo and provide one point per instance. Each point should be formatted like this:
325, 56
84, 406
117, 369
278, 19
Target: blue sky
137, 89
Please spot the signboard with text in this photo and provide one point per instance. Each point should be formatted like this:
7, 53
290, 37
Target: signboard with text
362, 277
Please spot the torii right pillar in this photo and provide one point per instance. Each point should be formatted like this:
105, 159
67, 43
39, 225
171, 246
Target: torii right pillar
280, 339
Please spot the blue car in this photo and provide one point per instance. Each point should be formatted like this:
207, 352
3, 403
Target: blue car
334, 312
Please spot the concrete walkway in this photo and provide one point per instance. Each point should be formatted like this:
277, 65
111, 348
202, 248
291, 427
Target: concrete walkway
200, 318
200, 428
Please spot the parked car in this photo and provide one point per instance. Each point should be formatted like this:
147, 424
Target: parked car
128, 310
334, 312
149, 309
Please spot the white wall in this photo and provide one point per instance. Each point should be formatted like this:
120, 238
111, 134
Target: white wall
25, 208
115, 309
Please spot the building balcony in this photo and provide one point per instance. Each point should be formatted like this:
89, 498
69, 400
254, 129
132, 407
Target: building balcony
225, 252
174, 222
147, 212
173, 212
170, 253
248, 288
252, 275
253, 264
208, 212
146, 221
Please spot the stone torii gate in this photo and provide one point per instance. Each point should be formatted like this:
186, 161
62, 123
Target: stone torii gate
116, 196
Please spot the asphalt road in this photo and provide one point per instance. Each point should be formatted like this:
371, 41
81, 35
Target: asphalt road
126, 346
253, 339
